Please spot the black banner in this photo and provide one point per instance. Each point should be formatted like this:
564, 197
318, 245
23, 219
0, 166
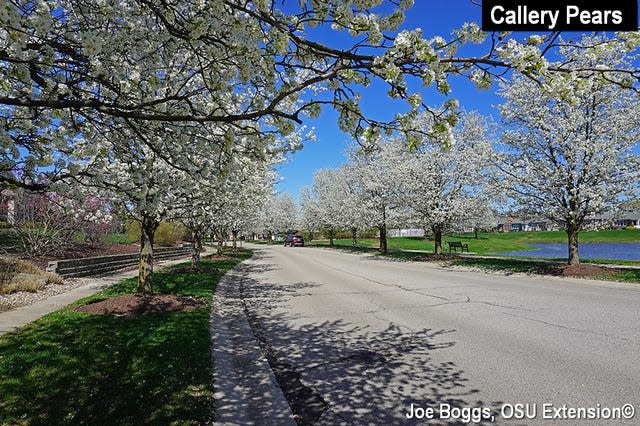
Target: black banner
559, 15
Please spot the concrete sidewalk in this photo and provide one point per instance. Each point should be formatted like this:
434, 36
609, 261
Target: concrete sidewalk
16, 318
246, 390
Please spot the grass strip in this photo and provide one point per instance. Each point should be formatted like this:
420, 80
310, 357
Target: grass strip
71, 367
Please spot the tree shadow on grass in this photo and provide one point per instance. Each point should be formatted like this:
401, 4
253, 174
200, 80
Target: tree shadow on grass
74, 368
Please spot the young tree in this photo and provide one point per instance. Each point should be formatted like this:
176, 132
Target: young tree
569, 145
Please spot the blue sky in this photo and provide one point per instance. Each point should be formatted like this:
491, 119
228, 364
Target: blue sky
435, 17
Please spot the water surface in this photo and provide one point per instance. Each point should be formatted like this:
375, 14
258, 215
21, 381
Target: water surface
617, 251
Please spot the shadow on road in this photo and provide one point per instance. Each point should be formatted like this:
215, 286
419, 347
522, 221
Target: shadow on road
334, 372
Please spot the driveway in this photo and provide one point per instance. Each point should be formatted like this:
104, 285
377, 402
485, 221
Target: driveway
355, 339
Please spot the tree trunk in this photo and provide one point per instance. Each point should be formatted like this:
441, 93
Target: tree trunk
572, 239
220, 245
437, 239
331, 235
383, 239
354, 237
197, 248
475, 232
145, 268
234, 235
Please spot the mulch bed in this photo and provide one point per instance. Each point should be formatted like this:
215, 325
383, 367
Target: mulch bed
558, 270
580, 270
132, 305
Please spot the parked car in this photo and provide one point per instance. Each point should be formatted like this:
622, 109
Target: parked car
294, 241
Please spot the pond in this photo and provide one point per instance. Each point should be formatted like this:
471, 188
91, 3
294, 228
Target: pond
617, 251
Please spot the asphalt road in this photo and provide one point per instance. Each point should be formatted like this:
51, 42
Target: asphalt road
355, 339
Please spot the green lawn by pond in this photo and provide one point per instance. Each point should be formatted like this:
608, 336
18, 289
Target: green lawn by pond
492, 243
77, 368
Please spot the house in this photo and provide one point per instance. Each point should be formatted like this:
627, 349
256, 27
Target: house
620, 219
519, 224
628, 218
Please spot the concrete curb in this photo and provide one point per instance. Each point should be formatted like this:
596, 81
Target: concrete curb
246, 390
16, 318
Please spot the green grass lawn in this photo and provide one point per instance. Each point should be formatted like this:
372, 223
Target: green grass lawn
117, 239
492, 243
75, 368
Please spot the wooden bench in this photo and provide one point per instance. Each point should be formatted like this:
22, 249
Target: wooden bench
455, 245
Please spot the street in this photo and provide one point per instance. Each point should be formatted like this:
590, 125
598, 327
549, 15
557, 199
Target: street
356, 339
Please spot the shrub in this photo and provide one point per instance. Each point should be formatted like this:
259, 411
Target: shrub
169, 233
24, 282
19, 275
12, 266
53, 278
132, 231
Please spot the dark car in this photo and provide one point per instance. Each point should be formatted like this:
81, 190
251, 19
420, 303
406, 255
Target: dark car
294, 241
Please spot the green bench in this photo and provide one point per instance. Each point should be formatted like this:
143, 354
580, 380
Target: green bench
455, 245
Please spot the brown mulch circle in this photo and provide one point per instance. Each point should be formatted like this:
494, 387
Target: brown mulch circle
579, 270
132, 305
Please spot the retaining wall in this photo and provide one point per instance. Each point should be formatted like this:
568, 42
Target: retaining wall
99, 265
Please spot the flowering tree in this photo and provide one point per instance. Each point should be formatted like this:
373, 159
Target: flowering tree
280, 214
47, 221
446, 185
144, 185
309, 211
71, 68
237, 197
332, 203
569, 145
321, 206
375, 179
480, 215
352, 212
